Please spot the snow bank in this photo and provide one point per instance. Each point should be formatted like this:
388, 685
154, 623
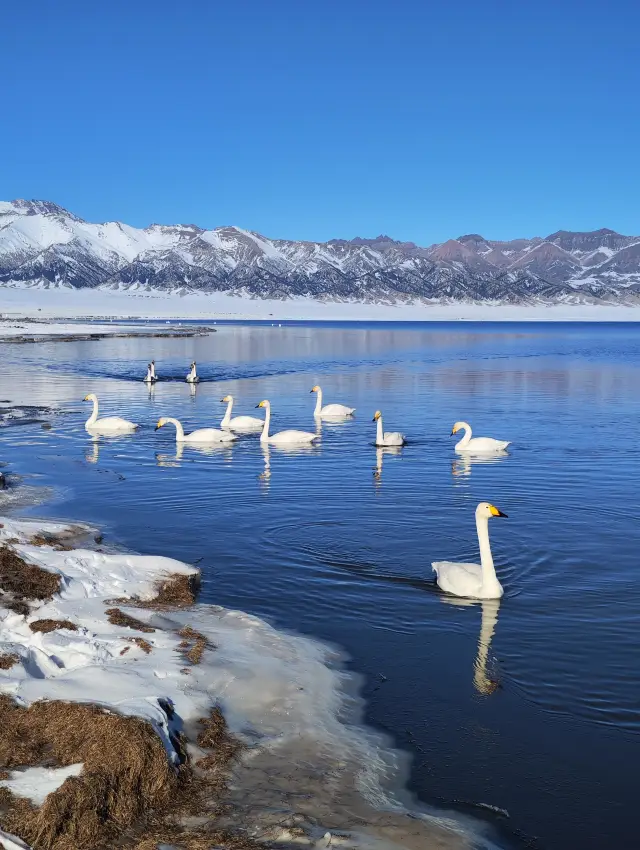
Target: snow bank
284, 695
97, 303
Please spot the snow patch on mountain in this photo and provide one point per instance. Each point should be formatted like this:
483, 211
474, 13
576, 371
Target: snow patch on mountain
43, 245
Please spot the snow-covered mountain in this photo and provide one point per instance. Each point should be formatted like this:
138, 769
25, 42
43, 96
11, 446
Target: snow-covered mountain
44, 245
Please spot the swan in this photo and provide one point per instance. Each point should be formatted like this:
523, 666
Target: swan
192, 377
475, 581
283, 438
330, 409
151, 376
202, 435
239, 423
477, 444
390, 438
108, 425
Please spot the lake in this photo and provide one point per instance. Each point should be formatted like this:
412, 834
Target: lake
530, 704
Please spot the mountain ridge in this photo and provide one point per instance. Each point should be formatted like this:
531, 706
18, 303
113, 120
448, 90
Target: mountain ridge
43, 245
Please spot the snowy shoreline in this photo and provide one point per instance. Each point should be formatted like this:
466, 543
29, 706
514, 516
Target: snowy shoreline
62, 303
281, 694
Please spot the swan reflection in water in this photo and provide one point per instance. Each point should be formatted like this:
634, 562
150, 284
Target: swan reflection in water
291, 449
174, 460
381, 451
484, 682
265, 475
461, 466
92, 455
192, 391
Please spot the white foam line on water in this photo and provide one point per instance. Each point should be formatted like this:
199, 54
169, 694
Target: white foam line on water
282, 693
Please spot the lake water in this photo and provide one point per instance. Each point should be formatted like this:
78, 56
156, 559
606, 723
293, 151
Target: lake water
531, 704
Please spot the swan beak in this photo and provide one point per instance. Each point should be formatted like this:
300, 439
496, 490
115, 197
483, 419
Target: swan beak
158, 426
496, 512
258, 405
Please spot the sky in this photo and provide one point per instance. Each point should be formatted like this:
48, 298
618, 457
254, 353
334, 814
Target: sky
318, 119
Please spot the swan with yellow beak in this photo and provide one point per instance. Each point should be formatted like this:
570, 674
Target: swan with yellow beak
475, 581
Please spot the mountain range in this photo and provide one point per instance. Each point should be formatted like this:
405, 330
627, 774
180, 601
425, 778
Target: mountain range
43, 245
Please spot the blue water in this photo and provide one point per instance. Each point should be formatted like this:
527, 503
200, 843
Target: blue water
530, 705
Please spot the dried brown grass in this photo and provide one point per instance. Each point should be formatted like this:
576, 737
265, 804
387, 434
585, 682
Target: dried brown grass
214, 736
193, 644
127, 795
177, 591
52, 625
126, 775
43, 539
144, 645
21, 582
119, 618
8, 660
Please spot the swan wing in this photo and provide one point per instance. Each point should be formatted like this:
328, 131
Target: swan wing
293, 437
337, 410
210, 435
458, 578
394, 438
484, 444
245, 422
112, 424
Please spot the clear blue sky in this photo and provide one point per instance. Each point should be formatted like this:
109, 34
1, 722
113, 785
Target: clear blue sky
313, 119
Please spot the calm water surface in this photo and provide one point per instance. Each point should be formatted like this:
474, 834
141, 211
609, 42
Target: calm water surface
530, 704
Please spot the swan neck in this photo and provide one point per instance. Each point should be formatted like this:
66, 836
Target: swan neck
467, 434
318, 402
380, 432
227, 417
267, 419
94, 415
486, 559
179, 430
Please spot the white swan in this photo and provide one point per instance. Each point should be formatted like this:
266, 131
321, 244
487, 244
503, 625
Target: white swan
239, 423
202, 435
151, 376
330, 409
283, 438
107, 425
477, 444
390, 438
192, 377
476, 581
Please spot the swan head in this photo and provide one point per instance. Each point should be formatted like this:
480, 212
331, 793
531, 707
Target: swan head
376, 416
161, 423
459, 426
227, 398
264, 403
90, 397
486, 510
315, 389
